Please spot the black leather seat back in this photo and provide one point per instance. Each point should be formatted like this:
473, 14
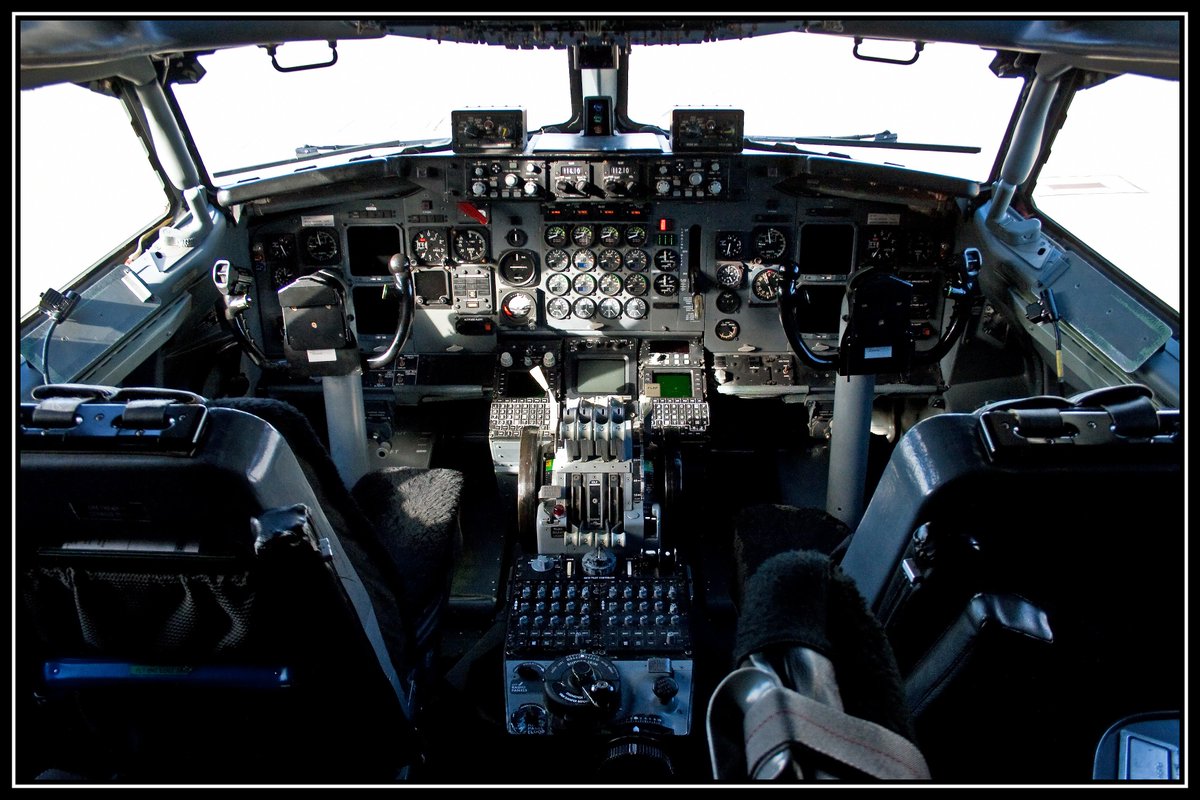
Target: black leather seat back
1027, 565
195, 602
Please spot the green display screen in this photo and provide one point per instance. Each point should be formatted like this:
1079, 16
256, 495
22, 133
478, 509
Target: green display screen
674, 384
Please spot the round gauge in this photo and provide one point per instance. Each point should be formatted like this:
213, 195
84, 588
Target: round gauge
666, 285
430, 247
558, 260
583, 235
610, 260
283, 275
585, 260
666, 260
558, 308
469, 245
281, 248
881, 247
558, 284
730, 275
321, 245
728, 302
635, 235
636, 260
517, 308
729, 245
727, 330
556, 236
584, 307
610, 235
770, 244
923, 251
765, 285
610, 308
636, 308
610, 284
636, 284
517, 268
584, 284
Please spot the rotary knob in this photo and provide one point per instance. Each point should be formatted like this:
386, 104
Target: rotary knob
695, 178
479, 188
665, 688
663, 186
506, 361
714, 187
511, 180
532, 188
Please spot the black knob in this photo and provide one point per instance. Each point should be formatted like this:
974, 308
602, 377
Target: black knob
628, 621
586, 593
658, 606
643, 606
628, 593
643, 620
612, 621
540, 608
658, 590
554, 620
556, 591
523, 621
571, 606
665, 688
541, 592
555, 607
539, 621
582, 673
643, 592
572, 592
526, 593
671, 593
612, 592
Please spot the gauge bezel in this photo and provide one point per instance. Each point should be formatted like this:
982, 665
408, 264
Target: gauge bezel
552, 257
609, 303
475, 236
640, 256
556, 241
325, 257
639, 280
430, 234
554, 279
504, 264
524, 319
644, 306
726, 324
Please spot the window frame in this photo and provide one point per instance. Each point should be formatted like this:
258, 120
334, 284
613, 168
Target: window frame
123, 93
1069, 86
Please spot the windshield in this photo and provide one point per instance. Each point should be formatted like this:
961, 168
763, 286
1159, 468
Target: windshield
808, 85
379, 90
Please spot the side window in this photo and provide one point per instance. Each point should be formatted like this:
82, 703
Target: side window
1113, 179
87, 186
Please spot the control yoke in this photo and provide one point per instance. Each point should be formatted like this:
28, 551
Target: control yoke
402, 276
876, 336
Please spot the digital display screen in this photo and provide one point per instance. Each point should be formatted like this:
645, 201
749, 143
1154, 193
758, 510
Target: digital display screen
376, 309
669, 346
674, 384
519, 383
820, 308
602, 376
826, 249
371, 247
431, 284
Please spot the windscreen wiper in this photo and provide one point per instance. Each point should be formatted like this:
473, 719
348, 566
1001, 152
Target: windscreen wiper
885, 140
308, 152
